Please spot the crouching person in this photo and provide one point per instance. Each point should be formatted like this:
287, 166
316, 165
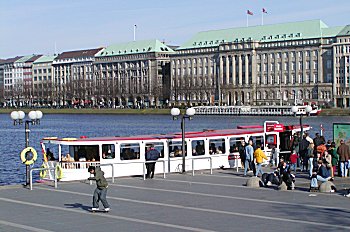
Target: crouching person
270, 179
100, 192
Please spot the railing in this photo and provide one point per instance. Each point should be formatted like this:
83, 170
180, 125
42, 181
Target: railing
205, 157
133, 162
42, 169
77, 165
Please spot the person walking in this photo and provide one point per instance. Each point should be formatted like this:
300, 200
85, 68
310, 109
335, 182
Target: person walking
100, 192
343, 152
151, 155
259, 157
249, 156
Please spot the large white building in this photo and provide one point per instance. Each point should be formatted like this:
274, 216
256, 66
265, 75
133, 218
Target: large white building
262, 65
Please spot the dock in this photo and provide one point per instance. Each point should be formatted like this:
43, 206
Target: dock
180, 202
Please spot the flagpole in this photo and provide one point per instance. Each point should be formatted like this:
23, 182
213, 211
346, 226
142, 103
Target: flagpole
134, 32
262, 18
247, 21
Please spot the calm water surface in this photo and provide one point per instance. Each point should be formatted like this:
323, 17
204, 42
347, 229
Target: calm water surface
12, 138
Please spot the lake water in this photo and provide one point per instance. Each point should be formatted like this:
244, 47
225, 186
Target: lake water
12, 138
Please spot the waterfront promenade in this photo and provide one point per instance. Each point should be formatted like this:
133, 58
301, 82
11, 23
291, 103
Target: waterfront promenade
181, 202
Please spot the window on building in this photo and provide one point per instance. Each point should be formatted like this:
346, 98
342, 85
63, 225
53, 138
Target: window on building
329, 64
307, 65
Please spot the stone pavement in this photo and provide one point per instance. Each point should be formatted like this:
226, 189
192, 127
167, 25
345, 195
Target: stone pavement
181, 202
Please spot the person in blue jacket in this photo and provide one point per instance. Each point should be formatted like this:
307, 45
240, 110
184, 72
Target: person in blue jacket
151, 155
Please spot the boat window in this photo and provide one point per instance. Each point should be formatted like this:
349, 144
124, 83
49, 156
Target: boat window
216, 146
258, 140
198, 147
108, 151
175, 149
129, 151
84, 153
235, 144
159, 146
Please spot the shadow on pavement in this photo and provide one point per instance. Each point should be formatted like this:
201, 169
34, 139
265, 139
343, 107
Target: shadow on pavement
78, 205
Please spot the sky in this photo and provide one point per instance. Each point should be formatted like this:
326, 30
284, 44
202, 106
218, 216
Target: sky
49, 26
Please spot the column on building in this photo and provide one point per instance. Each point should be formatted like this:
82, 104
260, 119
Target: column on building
254, 81
227, 70
234, 70
320, 65
150, 81
240, 73
246, 69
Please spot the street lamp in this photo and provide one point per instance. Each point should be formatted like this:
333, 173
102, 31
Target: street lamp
34, 119
295, 110
175, 112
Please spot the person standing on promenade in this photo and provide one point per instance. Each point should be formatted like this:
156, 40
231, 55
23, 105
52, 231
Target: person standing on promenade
344, 153
151, 155
249, 156
335, 157
100, 192
259, 156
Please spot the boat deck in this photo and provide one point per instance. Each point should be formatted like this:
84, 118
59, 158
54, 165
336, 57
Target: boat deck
181, 202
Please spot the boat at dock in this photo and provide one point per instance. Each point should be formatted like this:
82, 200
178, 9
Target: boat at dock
125, 156
254, 110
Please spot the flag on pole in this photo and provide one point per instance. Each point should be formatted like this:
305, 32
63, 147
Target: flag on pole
264, 10
250, 12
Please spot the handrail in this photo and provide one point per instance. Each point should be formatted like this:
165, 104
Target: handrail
210, 157
129, 162
41, 169
110, 164
151, 161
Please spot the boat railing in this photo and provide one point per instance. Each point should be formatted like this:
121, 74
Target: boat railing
42, 169
78, 164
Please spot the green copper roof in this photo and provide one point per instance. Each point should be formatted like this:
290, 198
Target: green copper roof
264, 33
331, 31
24, 59
344, 31
135, 47
44, 59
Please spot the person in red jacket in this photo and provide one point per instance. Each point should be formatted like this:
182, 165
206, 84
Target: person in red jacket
293, 161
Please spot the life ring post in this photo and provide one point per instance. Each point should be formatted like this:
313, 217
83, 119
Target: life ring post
34, 119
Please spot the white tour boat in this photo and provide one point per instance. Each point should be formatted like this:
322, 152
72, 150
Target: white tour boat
125, 156
254, 110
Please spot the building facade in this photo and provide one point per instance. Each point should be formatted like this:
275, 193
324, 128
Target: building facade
281, 64
340, 67
73, 77
133, 74
9, 76
42, 81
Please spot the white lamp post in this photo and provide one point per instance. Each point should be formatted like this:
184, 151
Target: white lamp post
175, 112
34, 116
295, 110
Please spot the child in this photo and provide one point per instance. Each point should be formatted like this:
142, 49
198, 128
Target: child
293, 160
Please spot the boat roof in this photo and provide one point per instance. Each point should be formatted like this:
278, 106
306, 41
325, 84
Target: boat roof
207, 133
178, 135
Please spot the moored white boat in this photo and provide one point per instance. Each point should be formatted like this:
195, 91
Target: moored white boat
126, 155
254, 110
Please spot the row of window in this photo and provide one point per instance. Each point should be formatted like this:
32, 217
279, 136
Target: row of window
39, 71
131, 151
